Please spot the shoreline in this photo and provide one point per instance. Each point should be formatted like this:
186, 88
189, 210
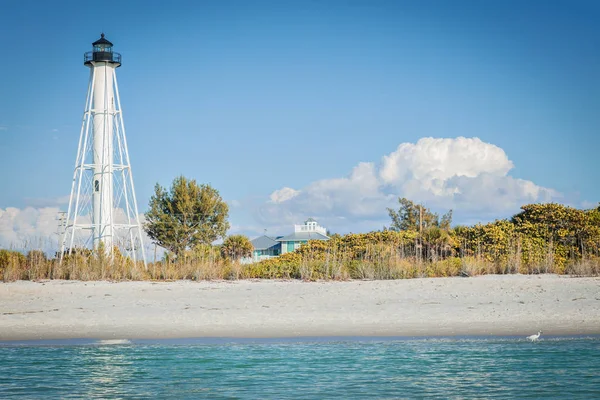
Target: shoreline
492, 305
279, 340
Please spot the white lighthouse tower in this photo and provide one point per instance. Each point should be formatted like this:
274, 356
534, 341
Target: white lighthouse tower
102, 206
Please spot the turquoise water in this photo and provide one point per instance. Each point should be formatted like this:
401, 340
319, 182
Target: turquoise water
308, 369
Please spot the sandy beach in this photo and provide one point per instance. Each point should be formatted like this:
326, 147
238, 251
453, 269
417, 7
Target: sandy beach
487, 305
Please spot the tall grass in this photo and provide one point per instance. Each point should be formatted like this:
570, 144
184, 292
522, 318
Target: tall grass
352, 257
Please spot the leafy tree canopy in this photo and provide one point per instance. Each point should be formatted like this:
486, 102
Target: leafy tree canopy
412, 217
185, 216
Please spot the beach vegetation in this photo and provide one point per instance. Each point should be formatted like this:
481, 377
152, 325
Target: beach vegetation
541, 238
187, 215
235, 247
416, 217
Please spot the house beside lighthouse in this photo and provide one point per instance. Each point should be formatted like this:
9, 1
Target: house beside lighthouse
311, 230
266, 247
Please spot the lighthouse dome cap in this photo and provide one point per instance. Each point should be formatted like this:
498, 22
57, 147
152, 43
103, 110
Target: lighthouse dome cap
102, 40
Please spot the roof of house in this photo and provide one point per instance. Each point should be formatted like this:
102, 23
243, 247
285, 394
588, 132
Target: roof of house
297, 236
310, 220
263, 242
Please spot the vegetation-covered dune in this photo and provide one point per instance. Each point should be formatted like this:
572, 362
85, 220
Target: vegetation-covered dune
542, 238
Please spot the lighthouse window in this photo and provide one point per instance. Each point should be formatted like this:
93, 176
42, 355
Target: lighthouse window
97, 185
102, 48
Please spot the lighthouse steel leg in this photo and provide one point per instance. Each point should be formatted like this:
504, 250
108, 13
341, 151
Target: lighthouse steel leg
124, 183
137, 218
83, 122
79, 166
82, 165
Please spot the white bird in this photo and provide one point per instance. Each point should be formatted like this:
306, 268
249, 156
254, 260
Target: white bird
533, 338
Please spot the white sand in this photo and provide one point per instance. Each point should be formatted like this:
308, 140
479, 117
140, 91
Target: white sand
490, 305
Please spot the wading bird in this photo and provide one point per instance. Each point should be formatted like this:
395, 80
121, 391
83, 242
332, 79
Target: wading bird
533, 338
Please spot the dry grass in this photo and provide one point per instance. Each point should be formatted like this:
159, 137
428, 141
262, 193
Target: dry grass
586, 267
378, 262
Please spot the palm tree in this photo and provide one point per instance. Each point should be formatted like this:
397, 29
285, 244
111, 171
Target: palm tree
236, 247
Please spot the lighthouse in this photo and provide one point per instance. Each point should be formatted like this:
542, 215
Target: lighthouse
102, 206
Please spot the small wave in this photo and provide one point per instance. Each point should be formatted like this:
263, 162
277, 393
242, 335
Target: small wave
113, 341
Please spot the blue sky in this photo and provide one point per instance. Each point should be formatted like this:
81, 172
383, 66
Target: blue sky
255, 97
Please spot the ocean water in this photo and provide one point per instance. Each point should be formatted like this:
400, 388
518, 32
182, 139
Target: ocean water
304, 369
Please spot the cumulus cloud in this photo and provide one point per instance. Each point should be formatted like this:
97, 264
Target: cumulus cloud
431, 162
28, 228
32, 228
464, 174
461, 173
283, 194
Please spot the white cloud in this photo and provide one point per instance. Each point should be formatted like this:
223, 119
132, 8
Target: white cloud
431, 162
464, 174
461, 173
36, 228
283, 194
28, 228
234, 203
